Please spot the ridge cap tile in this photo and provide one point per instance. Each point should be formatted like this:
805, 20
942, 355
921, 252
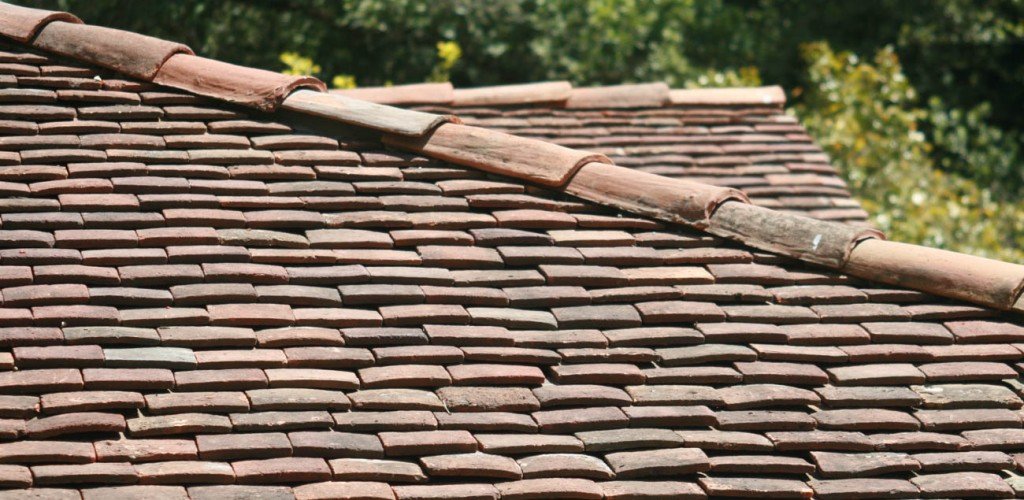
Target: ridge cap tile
22, 23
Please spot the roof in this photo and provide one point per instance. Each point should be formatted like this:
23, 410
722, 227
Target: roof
217, 287
733, 137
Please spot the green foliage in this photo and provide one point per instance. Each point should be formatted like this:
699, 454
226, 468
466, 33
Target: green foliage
865, 115
928, 131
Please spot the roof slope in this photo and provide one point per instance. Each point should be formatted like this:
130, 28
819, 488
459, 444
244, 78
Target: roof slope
204, 301
738, 138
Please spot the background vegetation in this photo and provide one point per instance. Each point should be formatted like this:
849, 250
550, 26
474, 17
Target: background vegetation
919, 102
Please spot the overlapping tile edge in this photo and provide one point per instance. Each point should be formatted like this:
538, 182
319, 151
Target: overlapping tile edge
720, 211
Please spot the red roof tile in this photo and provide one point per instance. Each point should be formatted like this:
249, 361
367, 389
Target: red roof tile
256, 302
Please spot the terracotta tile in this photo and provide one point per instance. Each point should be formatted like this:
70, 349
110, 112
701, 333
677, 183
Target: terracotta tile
603, 316
15, 476
679, 312
887, 374
281, 470
951, 396
246, 315
281, 421
772, 488
111, 336
399, 420
404, 376
381, 294
427, 442
547, 296
40, 381
145, 450
344, 489
621, 490
967, 371
512, 399
963, 484
550, 488
207, 337
543, 255
45, 294
391, 471
187, 472
311, 378
959, 420
886, 353
407, 315
150, 357
328, 357
629, 439
188, 402
80, 356
466, 296
472, 465
486, 422
137, 493
964, 461
494, 374
852, 313
98, 473
980, 332
572, 420
520, 319
426, 492
904, 333
296, 399
298, 337
765, 372
654, 337
919, 441
565, 465
848, 465
432, 354
90, 401
336, 444
395, 399
866, 397
240, 491
739, 332
515, 355
518, 444
127, 378
587, 276
753, 464
866, 420
212, 293
764, 395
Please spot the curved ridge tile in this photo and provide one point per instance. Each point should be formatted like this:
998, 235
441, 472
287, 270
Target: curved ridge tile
499, 153
950, 274
673, 200
251, 87
812, 240
413, 93
132, 54
735, 96
22, 23
361, 113
642, 95
505, 95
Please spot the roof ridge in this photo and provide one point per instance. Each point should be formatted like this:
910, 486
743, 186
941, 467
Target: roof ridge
563, 93
721, 211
